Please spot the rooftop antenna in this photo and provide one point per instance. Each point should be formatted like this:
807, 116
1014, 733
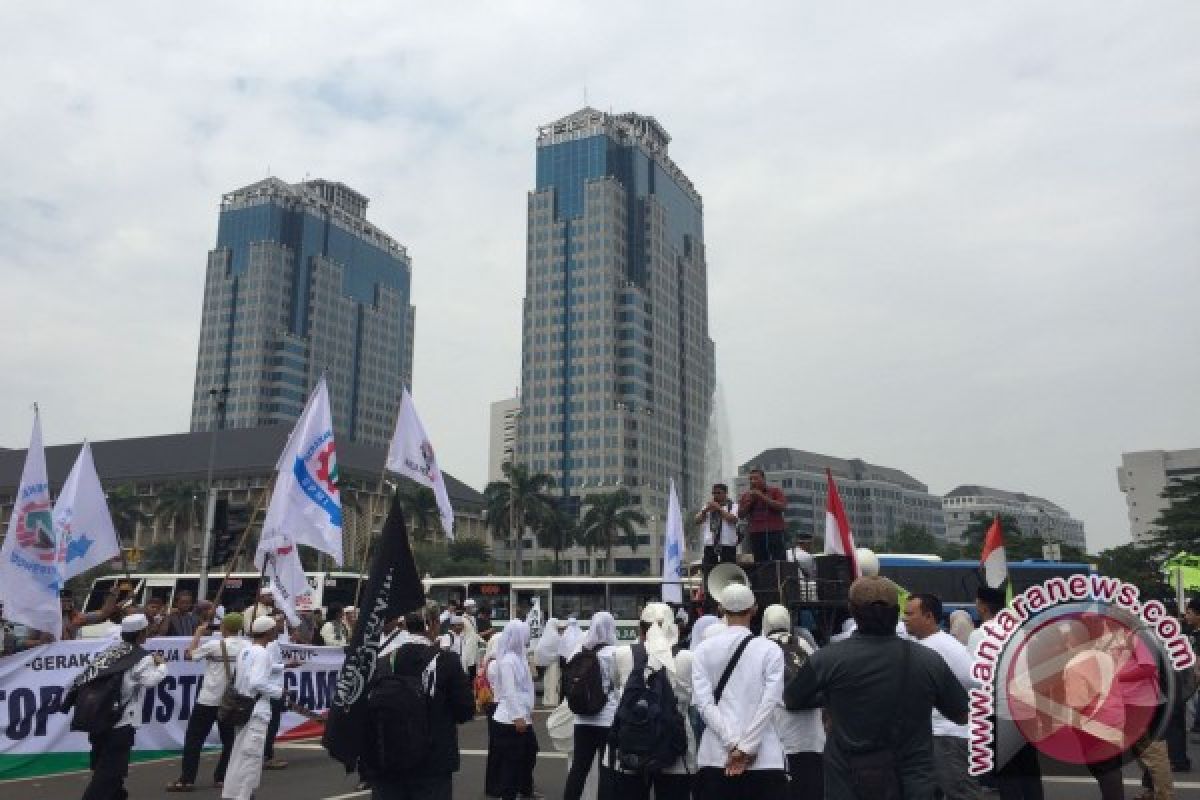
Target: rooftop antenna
585, 96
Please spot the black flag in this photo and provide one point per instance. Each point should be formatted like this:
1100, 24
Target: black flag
393, 585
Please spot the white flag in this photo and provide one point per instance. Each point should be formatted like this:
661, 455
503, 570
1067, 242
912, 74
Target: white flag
82, 522
29, 558
286, 573
305, 503
672, 574
412, 456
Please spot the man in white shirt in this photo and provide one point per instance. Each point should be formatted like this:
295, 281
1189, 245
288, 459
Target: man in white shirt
922, 616
737, 683
719, 518
219, 656
258, 676
452, 639
139, 670
801, 732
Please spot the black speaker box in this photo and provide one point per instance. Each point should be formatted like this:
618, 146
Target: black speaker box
781, 582
833, 578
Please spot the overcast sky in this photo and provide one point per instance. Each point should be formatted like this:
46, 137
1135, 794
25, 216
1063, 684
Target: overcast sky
962, 240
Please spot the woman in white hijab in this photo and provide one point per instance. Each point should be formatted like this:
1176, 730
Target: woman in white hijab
961, 626
659, 636
470, 647
591, 729
512, 744
545, 655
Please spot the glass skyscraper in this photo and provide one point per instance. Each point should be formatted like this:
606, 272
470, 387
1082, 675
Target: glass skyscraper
617, 365
301, 283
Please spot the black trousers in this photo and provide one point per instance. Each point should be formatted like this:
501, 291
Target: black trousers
1109, 779
754, 784
273, 728
806, 776
616, 785
515, 756
426, 787
109, 761
589, 740
1021, 778
722, 554
1176, 736
199, 724
767, 547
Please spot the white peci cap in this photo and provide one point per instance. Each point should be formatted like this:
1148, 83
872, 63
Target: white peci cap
737, 598
134, 623
263, 624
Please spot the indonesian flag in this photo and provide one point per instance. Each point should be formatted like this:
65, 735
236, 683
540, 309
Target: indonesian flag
838, 539
992, 559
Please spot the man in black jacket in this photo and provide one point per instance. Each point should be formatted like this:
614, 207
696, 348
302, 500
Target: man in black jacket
451, 704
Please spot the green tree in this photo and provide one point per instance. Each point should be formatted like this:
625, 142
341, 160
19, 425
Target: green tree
1137, 564
1179, 523
911, 539
1017, 545
610, 516
515, 503
181, 503
125, 507
555, 530
421, 509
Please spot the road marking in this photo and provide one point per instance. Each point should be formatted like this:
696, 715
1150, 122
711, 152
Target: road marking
318, 746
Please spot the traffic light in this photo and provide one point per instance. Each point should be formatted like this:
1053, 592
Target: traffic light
229, 523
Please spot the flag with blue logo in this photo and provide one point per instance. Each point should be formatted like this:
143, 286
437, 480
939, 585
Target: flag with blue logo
673, 571
305, 504
29, 558
82, 522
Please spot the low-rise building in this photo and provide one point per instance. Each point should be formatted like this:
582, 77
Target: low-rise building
1035, 516
878, 500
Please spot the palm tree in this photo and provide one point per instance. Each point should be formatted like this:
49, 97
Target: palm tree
180, 502
125, 508
555, 530
421, 508
610, 515
514, 504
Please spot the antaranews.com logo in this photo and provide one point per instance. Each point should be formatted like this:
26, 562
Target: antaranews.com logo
1077, 667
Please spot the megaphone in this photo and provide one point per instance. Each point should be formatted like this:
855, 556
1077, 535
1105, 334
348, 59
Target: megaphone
723, 576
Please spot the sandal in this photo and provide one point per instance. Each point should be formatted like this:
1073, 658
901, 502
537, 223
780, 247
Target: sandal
180, 786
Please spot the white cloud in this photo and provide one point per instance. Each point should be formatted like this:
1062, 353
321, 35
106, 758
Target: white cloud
959, 241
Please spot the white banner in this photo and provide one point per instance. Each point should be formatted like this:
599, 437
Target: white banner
36, 739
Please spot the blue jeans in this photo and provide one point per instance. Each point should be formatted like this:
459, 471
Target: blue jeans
767, 547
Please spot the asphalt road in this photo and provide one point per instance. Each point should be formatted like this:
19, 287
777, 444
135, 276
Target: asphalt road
311, 775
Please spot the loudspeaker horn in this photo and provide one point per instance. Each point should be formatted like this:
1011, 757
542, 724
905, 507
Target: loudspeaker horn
722, 576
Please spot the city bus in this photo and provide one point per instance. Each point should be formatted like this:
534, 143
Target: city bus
956, 582
558, 596
240, 591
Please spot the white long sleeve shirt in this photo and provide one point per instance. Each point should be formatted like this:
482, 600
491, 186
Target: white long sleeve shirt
513, 688
958, 658
744, 719
144, 674
259, 675
604, 717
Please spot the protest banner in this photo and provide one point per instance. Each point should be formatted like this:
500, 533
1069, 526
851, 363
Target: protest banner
36, 739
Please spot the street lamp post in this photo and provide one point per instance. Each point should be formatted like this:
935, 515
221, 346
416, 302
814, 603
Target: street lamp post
218, 398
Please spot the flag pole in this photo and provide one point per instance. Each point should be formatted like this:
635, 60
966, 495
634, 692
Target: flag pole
263, 498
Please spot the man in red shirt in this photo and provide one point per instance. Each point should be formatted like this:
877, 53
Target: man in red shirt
763, 506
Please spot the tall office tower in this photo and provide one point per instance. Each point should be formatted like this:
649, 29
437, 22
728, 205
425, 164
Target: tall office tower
301, 283
617, 368
502, 436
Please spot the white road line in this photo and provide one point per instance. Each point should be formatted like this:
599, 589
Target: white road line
317, 746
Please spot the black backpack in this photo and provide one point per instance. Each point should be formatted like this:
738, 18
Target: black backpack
401, 734
648, 733
583, 683
97, 703
794, 656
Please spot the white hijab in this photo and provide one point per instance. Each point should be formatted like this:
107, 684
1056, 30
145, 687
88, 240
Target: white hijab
961, 625
547, 646
603, 630
661, 634
571, 638
514, 643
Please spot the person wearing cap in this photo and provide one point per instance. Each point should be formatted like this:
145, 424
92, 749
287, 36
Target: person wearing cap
260, 677
658, 635
452, 640
801, 732
219, 656
923, 619
740, 754
111, 749
879, 690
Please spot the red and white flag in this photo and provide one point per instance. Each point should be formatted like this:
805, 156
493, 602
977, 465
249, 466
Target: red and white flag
838, 538
993, 559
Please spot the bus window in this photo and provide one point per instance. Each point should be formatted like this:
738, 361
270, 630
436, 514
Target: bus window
580, 600
100, 590
493, 595
444, 594
626, 600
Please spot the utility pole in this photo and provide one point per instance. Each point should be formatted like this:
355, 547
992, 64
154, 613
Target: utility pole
217, 401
